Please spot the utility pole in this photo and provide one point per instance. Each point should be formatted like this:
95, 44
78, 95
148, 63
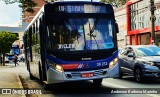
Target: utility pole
153, 18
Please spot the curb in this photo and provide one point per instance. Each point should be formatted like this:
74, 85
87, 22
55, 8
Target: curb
20, 84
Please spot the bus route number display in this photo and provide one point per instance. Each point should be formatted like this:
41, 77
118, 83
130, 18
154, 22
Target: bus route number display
81, 8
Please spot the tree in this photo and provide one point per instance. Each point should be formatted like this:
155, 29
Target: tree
115, 3
26, 5
6, 41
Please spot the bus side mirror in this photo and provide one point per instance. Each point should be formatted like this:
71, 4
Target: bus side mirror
130, 55
116, 28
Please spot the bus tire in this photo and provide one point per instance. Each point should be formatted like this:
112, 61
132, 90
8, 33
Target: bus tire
46, 86
40, 74
97, 82
120, 75
27, 64
27, 67
31, 76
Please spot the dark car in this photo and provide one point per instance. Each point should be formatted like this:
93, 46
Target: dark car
142, 61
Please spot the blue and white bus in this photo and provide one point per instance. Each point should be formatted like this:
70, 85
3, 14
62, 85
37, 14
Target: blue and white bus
72, 41
14, 50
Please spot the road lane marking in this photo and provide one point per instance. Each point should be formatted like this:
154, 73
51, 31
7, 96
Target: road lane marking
120, 86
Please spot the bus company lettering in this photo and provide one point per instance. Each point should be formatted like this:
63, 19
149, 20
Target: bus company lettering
66, 46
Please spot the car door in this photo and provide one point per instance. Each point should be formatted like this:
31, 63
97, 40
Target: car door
130, 59
123, 61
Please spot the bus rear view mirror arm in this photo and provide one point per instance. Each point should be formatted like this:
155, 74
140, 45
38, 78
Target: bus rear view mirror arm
116, 28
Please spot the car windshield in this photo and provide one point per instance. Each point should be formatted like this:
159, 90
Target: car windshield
148, 51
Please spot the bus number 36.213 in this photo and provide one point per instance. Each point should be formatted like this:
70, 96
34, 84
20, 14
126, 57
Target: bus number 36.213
99, 64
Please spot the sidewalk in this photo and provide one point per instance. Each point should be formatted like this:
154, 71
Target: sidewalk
9, 80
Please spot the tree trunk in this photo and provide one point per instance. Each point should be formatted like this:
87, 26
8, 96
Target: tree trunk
3, 59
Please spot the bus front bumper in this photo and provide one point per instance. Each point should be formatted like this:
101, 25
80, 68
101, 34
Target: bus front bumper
54, 76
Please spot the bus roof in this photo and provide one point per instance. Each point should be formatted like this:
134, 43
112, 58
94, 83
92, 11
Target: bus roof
75, 2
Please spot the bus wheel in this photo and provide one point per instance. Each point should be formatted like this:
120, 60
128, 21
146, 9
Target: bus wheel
31, 76
97, 82
27, 67
40, 75
46, 86
120, 75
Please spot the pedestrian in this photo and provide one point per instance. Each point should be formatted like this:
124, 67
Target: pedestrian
15, 59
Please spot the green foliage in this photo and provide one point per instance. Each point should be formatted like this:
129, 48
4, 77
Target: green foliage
26, 5
115, 3
6, 41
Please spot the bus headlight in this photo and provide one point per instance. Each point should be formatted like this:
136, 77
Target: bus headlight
56, 67
59, 68
113, 62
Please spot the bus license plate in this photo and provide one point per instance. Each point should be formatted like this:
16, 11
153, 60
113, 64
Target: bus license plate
89, 74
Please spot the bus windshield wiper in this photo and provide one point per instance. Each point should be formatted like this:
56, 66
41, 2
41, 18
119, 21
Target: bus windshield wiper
91, 32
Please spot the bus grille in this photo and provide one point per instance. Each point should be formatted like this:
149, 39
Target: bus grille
97, 73
79, 55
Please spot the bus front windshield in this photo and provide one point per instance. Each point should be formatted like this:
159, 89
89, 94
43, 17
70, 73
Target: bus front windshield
80, 34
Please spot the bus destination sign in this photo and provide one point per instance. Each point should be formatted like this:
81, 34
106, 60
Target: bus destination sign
81, 8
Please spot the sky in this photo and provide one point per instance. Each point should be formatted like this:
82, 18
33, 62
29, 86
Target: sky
10, 14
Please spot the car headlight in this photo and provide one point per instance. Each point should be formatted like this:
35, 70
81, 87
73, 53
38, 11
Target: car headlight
113, 62
148, 63
56, 66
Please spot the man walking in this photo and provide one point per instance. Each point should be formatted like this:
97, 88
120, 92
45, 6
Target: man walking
15, 59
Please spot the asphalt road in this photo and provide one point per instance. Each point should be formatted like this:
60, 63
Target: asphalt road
86, 88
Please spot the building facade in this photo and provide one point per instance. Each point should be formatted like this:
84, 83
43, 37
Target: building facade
27, 17
138, 17
120, 16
